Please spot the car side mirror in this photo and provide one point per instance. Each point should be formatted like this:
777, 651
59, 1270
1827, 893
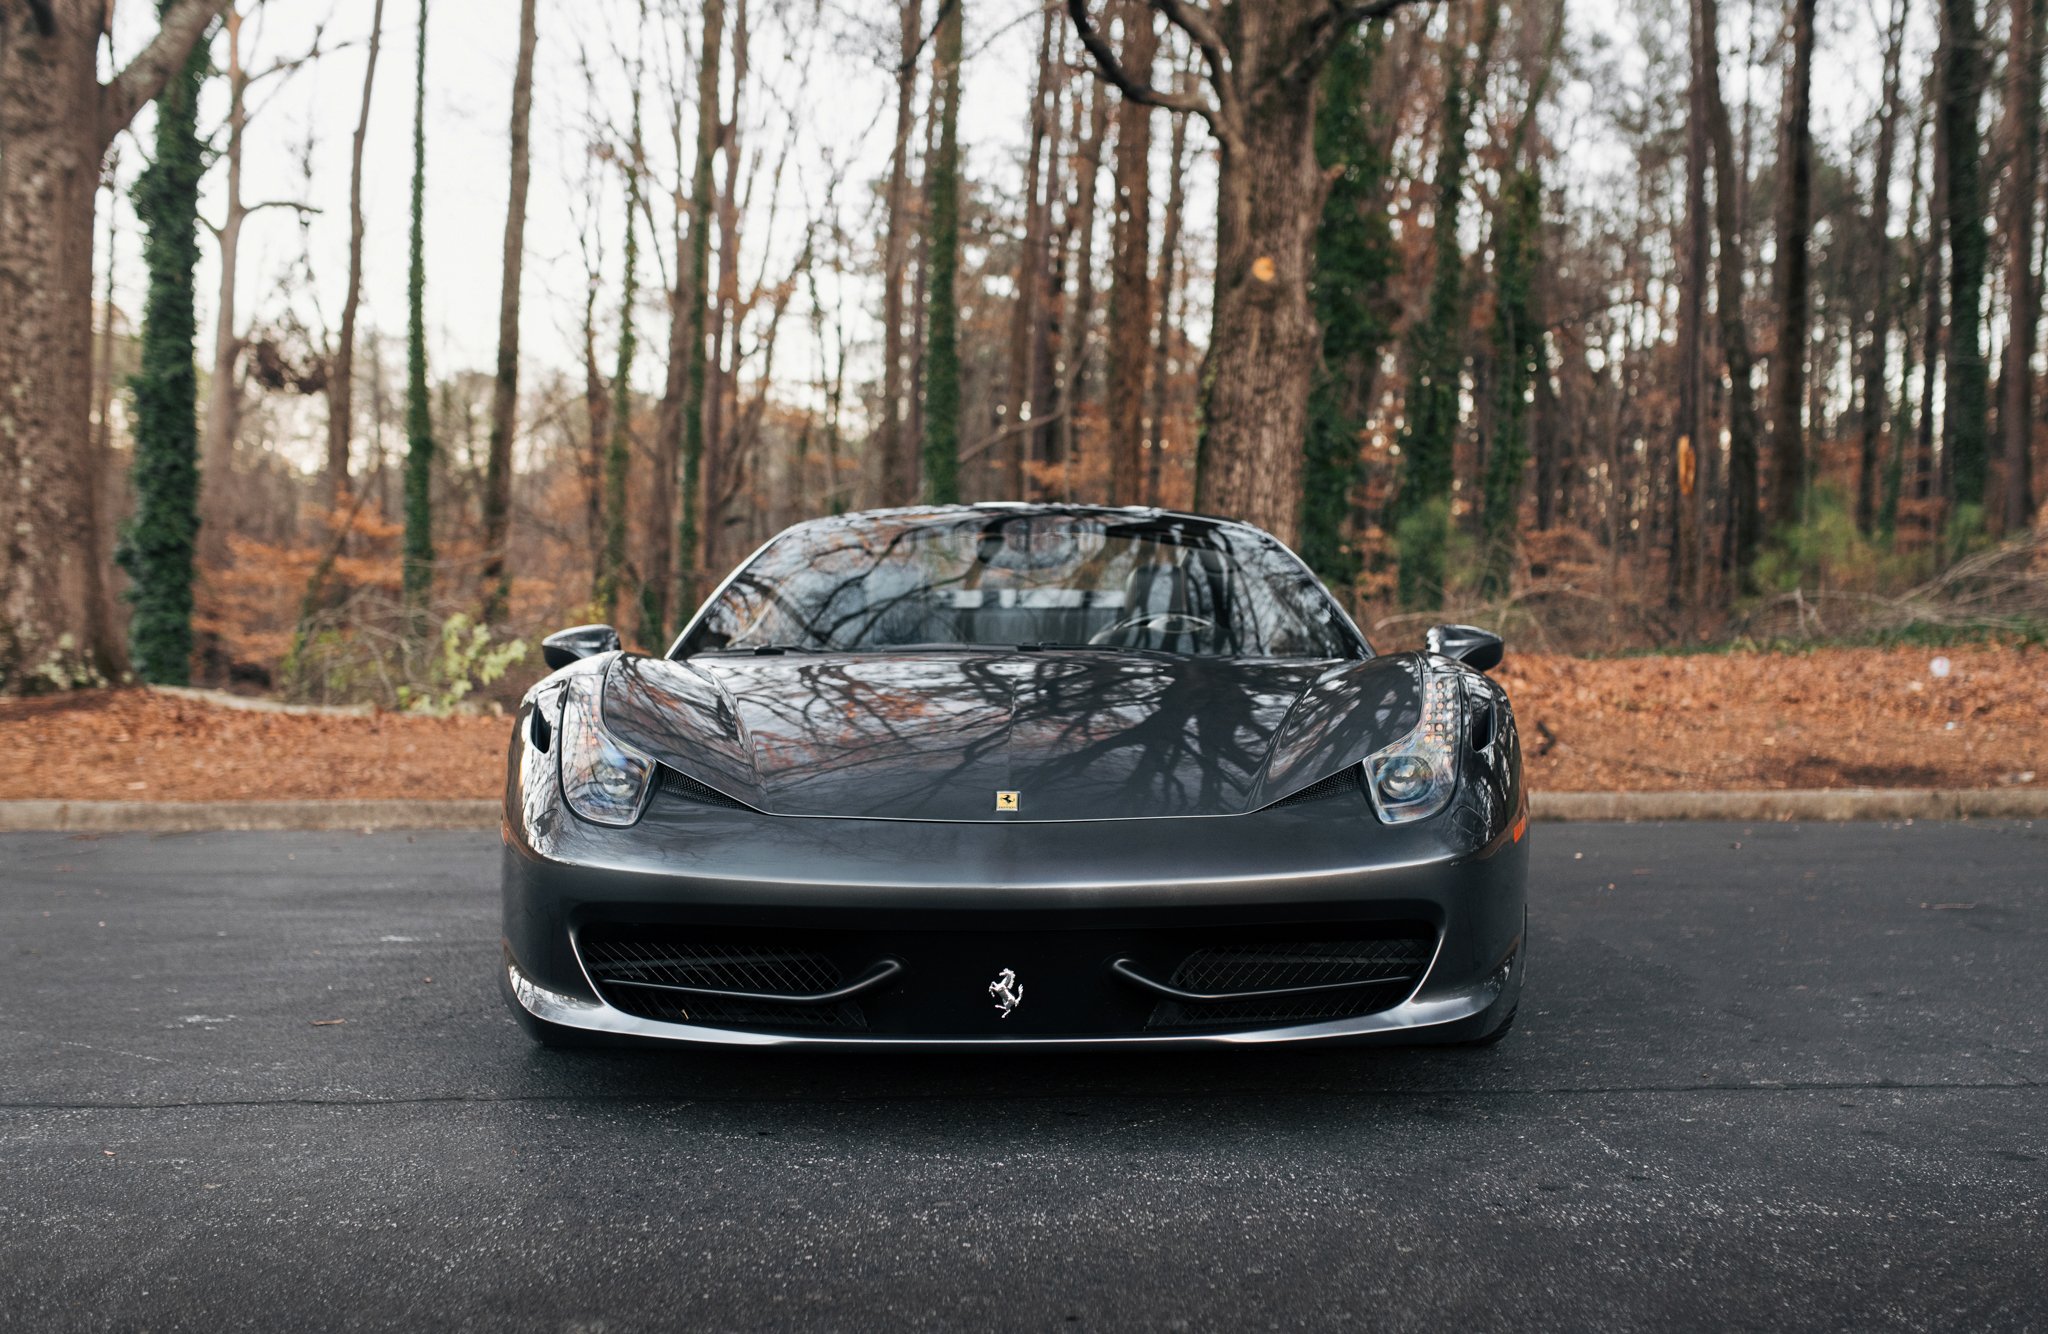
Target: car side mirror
577, 642
1481, 650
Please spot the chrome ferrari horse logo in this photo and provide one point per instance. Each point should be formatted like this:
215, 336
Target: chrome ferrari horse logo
1007, 991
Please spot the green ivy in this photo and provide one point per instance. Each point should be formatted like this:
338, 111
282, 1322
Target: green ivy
419, 418
157, 547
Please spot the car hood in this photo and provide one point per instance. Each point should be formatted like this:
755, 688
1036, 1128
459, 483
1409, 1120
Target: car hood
1076, 735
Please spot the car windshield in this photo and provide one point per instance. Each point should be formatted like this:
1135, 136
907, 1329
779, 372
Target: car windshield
1042, 579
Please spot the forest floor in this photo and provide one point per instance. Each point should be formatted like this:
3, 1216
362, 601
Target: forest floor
1967, 717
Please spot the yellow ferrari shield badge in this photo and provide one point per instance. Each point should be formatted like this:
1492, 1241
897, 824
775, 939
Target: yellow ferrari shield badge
1006, 801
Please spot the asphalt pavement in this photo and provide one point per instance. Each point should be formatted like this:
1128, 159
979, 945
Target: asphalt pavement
1764, 1076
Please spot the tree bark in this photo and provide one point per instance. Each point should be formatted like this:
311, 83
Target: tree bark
942, 347
1021, 403
1877, 322
896, 473
419, 417
689, 525
1738, 553
224, 389
1683, 586
1079, 315
1794, 295
342, 364
2016, 380
497, 582
1966, 384
1130, 284
1156, 440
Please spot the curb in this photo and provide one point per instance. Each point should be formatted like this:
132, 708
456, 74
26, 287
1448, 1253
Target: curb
177, 817
1901, 803
183, 817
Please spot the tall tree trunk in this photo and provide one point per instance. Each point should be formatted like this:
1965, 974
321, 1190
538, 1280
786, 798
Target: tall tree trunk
224, 388
2016, 380
597, 416
1966, 394
57, 627
1683, 585
618, 454
689, 543
722, 466
1738, 555
1026, 312
158, 546
342, 364
1130, 284
896, 466
1080, 311
1794, 293
1156, 442
419, 417
497, 581
942, 385
1877, 323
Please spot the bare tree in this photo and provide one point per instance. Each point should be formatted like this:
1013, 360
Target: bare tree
1794, 290
342, 361
2023, 191
497, 583
1130, 283
896, 473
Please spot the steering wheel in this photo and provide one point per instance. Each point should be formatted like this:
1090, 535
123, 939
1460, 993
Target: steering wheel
1156, 622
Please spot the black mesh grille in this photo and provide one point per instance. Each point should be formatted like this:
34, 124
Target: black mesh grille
1390, 965
619, 956
1341, 783
678, 784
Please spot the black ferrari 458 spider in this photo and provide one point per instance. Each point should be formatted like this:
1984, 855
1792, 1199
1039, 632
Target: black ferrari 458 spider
1029, 774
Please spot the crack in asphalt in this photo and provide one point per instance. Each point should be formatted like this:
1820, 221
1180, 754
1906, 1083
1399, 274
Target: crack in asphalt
1011, 1097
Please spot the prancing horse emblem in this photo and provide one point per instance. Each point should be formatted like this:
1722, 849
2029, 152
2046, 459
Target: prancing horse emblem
1007, 991
1005, 800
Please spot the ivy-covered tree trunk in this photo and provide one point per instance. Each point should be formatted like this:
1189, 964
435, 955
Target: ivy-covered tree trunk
419, 420
1739, 546
1423, 507
618, 455
1354, 260
1966, 386
157, 549
942, 356
1517, 349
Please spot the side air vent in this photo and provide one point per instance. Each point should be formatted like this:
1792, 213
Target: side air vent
1342, 783
676, 783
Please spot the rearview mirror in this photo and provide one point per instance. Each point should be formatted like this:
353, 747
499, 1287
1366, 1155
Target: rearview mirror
1481, 650
576, 643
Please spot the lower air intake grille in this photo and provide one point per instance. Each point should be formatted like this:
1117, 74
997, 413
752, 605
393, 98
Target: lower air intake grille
1386, 967
620, 957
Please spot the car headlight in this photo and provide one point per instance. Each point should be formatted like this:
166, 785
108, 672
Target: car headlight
605, 780
1414, 778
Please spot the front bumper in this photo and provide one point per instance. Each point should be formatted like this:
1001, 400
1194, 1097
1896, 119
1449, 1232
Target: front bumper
950, 906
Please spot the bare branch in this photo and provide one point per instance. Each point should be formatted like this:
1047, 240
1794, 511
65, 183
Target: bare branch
1331, 27
145, 75
1112, 69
